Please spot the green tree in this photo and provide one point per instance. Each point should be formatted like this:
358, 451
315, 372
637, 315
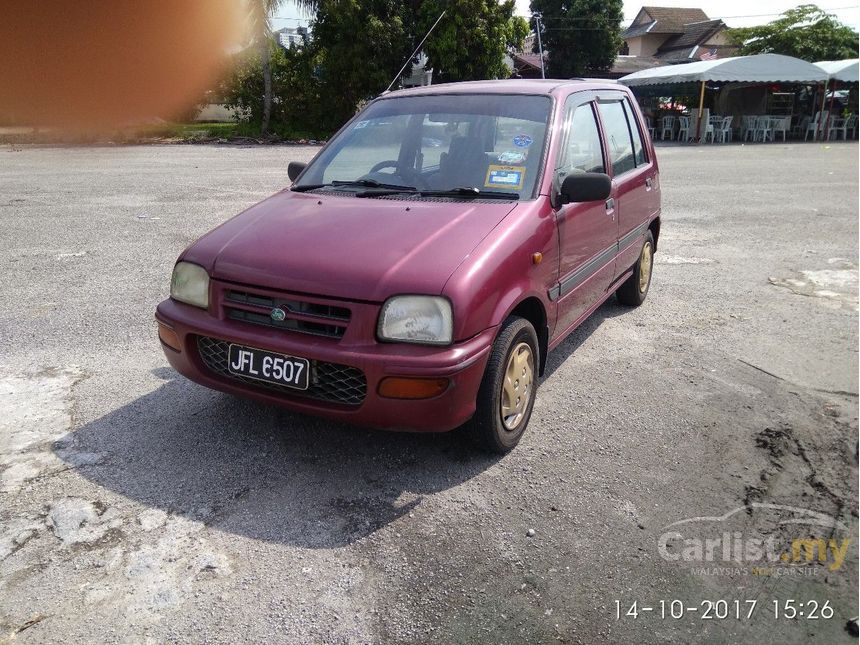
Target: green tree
805, 32
581, 36
297, 109
472, 39
361, 46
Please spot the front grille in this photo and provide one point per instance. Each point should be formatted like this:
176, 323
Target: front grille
301, 315
329, 382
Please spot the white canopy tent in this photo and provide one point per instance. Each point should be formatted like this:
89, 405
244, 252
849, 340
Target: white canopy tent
845, 71
761, 68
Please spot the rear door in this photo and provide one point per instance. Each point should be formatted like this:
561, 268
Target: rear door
634, 175
588, 232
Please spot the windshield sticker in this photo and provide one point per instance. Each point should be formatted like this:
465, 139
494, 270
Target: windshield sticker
522, 141
511, 157
361, 124
505, 177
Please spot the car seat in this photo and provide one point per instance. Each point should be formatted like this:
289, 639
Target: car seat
465, 164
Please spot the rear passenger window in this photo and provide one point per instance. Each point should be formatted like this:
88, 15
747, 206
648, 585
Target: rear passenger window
618, 136
638, 145
582, 149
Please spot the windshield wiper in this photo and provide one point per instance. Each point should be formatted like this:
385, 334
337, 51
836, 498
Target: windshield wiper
468, 191
372, 183
366, 183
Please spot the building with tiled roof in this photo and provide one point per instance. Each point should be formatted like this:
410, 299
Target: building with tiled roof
670, 35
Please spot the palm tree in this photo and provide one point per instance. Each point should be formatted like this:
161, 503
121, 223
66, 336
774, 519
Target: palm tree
260, 15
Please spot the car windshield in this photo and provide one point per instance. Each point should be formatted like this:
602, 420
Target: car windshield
465, 144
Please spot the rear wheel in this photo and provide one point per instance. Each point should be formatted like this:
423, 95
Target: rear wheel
507, 393
635, 288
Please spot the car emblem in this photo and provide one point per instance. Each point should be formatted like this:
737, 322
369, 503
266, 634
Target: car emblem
278, 314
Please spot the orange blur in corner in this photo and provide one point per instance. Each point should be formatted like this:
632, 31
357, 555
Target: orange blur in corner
105, 63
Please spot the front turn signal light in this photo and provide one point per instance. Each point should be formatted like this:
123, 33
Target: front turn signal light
169, 337
401, 387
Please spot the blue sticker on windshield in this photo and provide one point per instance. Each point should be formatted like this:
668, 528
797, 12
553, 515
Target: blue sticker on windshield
522, 141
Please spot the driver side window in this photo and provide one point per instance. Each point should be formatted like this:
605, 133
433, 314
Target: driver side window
372, 142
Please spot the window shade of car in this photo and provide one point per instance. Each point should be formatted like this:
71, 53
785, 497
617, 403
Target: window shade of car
618, 137
582, 150
638, 144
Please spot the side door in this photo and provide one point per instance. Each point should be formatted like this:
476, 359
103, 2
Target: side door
588, 232
634, 175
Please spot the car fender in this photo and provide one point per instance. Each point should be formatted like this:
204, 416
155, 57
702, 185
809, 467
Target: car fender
517, 260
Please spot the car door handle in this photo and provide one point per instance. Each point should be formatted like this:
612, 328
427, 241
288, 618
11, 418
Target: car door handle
648, 183
610, 206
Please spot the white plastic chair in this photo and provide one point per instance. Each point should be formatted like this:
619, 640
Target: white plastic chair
710, 130
651, 129
724, 129
761, 131
780, 124
843, 125
668, 126
747, 124
684, 128
800, 127
812, 126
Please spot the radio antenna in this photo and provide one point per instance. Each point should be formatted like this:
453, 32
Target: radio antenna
417, 49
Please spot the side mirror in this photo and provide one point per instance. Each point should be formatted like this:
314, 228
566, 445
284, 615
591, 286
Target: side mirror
585, 187
295, 169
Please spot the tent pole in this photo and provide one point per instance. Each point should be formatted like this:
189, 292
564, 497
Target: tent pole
830, 109
702, 130
821, 110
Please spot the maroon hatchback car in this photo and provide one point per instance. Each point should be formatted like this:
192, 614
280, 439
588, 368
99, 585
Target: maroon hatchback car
419, 269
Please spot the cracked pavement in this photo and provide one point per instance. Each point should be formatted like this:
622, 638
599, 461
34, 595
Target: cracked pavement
136, 506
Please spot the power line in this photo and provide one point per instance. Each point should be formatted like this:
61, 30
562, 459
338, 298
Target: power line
754, 15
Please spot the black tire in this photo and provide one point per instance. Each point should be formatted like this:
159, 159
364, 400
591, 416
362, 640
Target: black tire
488, 427
634, 290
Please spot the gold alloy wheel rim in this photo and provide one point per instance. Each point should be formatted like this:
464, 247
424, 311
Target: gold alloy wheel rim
517, 386
645, 261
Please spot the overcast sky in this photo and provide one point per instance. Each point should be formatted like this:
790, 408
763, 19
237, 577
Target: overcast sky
735, 13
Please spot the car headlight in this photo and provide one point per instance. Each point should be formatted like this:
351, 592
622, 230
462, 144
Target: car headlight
190, 284
417, 319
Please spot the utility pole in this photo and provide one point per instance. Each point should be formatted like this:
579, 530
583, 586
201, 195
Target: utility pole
537, 18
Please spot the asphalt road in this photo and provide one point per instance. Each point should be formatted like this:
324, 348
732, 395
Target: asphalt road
138, 507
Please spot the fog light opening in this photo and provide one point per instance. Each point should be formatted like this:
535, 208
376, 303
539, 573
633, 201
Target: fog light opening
169, 337
401, 387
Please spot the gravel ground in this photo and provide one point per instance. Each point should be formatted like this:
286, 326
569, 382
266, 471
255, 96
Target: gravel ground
138, 507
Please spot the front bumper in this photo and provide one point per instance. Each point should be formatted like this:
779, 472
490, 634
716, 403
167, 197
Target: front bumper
462, 363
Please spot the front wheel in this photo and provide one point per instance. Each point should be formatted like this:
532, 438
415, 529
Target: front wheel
635, 288
507, 393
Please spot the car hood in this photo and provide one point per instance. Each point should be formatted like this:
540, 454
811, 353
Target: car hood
346, 247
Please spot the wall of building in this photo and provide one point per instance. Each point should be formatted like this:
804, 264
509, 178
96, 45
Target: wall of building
646, 45
215, 112
717, 39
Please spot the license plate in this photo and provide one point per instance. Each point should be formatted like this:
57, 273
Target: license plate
261, 365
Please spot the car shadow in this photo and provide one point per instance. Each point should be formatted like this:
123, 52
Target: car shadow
261, 471
609, 309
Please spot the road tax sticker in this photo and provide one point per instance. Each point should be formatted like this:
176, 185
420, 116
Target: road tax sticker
505, 177
522, 141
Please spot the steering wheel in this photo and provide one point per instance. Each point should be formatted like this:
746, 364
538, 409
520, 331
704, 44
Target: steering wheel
410, 178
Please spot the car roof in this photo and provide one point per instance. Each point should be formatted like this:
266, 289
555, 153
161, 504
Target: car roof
547, 87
